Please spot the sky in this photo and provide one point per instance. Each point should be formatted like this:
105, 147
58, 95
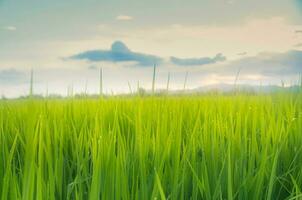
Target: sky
65, 42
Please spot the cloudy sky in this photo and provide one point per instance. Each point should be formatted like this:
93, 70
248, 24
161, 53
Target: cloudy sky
67, 41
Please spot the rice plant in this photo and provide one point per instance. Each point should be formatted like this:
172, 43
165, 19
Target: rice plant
185, 82
101, 82
183, 147
31, 89
168, 82
153, 79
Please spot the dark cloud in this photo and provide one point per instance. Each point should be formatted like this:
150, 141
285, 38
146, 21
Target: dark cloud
197, 61
119, 52
270, 64
12, 76
298, 31
291, 59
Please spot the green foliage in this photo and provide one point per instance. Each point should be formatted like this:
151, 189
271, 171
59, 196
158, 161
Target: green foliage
184, 147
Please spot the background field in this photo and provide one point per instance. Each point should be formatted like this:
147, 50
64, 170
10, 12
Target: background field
236, 146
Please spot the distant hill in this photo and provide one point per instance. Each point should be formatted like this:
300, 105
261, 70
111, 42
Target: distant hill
243, 87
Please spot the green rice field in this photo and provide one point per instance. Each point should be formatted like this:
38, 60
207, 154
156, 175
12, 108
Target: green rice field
211, 146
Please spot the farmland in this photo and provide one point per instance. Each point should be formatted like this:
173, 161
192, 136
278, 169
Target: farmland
211, 146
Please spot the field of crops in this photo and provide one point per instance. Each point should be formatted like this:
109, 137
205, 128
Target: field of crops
236, 146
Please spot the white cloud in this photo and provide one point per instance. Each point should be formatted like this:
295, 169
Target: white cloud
253, 36
176, 26
180, 40
10, 28
124, 17
230, 2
